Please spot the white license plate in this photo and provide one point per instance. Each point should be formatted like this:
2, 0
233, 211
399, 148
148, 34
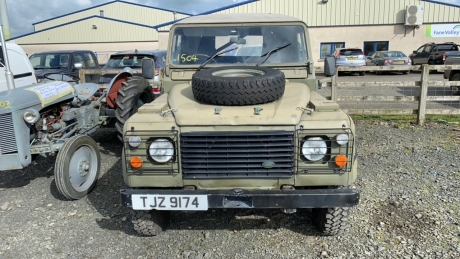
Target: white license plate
169, 202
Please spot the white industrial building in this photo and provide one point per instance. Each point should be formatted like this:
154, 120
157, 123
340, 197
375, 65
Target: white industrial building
368, 24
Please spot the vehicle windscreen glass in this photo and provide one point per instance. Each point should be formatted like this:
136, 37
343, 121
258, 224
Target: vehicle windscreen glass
50, 61
351, 52
447, 47
193, 46
394, 55
122, 61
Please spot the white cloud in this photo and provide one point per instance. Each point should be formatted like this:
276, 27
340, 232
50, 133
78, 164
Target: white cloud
84, 2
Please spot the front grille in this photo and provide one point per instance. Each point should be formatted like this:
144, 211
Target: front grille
237, 154
7, 137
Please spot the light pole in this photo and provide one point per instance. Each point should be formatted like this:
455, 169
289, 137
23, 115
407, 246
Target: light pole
4, 20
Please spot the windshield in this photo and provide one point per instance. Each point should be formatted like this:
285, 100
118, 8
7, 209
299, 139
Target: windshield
394, 55
129, 60
47, 61
192, 46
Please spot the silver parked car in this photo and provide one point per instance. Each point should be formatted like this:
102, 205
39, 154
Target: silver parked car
389, 58
350, 57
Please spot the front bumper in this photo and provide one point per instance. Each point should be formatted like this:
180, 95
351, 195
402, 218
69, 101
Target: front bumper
237, 198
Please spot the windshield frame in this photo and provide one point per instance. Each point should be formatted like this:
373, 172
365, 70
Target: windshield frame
304, 40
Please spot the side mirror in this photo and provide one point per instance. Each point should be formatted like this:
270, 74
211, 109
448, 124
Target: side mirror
78, 65
329, 66
414, 52
148, 68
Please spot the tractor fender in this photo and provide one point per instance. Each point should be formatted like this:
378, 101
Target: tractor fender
116, 84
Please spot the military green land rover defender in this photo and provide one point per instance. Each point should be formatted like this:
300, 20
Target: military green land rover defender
240, 125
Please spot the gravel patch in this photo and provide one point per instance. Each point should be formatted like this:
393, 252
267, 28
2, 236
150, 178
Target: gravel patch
409, 177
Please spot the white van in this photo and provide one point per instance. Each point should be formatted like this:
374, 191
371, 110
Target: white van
20, 66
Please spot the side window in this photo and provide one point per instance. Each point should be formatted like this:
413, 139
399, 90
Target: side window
90, 62
79, 58
420, 50
427, 49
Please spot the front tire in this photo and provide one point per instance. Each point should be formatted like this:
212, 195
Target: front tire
134, 93
150, 222
455, 89
77, 168
431, 71
331, 221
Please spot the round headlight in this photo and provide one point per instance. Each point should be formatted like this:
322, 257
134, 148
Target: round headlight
31, 116
134, 141
161, 150
314, 148
341, 139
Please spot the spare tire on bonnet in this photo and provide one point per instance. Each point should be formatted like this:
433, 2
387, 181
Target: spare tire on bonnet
239, 85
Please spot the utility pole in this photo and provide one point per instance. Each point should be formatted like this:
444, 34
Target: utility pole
4, 20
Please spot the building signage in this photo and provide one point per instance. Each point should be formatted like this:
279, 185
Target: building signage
443, 30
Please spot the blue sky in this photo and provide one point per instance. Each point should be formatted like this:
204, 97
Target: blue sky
23, 13
449, 2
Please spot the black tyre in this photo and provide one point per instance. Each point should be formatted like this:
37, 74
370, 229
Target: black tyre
77, 168
134, 93
431, 62
455, 89
330, 221
238, 85
150, 222
361, 73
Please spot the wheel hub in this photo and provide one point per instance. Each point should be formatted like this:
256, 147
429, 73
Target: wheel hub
83, 167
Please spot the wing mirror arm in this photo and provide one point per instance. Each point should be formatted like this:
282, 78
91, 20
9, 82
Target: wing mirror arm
309, 67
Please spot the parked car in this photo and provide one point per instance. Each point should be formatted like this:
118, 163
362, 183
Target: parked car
20, 66
389, 58
350, 57
453, 74
62, 62
132, 59
434, 53
369, 54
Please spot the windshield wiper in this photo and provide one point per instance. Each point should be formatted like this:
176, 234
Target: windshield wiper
215, 55
268, 54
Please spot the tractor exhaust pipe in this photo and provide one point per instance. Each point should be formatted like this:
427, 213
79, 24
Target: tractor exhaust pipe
8, 74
